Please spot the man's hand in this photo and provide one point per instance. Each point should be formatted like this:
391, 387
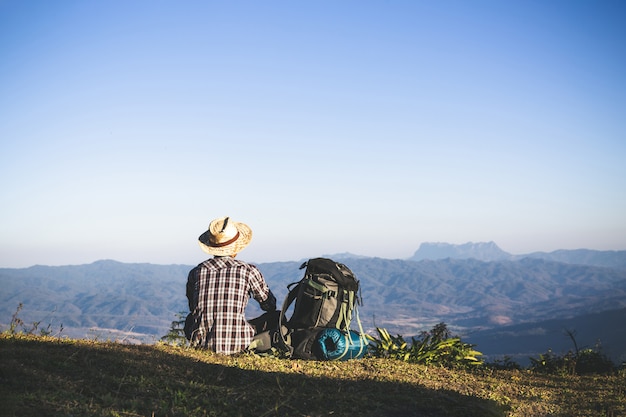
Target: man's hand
269, 304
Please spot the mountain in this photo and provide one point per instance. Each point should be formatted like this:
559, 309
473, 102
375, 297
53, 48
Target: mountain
340, 257
411, 296
489, 251
609, 259
100, 299
604, 330
109, 299
483, 251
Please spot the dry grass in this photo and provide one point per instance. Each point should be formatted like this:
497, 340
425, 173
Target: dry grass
42, 376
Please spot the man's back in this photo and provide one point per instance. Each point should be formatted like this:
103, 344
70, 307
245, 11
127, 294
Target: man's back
218, 291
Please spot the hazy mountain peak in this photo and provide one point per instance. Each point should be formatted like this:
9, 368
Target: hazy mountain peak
344, 256
483, 251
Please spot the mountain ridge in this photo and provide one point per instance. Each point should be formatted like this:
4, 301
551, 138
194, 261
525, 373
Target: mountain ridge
403, 296
484, 251
490, 251
521, 341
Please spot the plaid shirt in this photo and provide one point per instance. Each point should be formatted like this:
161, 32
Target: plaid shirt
218, 291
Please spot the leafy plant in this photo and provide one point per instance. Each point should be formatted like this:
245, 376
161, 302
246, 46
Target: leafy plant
593, 361
436, 347
388, 346
507, 363
176, 335
550, 363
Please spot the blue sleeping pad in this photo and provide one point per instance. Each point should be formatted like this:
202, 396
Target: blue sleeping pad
335, 345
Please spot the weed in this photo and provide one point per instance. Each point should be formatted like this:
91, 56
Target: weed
577, 362
436, 347
176, 335
17, 325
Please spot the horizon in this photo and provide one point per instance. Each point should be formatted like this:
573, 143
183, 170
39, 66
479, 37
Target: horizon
336, 255
327, 127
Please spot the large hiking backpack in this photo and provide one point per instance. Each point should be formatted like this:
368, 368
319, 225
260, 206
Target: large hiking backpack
326, 299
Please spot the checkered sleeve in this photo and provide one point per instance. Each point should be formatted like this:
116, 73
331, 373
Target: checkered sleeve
259, 290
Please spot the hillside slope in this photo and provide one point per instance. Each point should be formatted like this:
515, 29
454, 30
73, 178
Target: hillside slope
603, 330
49, 376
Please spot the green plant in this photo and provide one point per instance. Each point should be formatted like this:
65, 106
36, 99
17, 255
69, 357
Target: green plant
577, 362
388, 346
585, 361
550, 363
506, 363
593, 361
176, 335
436, 347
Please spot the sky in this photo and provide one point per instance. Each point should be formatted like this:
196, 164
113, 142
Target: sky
366, 127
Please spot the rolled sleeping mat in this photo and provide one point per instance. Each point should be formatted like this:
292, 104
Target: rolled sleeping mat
335, 345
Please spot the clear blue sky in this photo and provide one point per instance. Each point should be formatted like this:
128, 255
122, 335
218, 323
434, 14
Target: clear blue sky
328, 126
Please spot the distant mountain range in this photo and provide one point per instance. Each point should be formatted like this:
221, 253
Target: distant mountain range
489, 251
475, 288
604, 330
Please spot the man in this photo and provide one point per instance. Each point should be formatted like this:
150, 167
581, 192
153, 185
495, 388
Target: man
219, 288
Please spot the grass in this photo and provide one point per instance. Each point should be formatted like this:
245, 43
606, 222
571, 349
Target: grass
45, 376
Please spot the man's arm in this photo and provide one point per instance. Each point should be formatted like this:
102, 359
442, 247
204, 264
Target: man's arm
260, 291
191, 290
269, 304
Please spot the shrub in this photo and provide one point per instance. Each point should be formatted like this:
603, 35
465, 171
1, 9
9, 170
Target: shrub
550, 363
583, 362
507, 363
176, 335
593, 361
436, 347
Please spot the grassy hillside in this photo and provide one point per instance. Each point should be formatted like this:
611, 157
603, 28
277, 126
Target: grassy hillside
43, 376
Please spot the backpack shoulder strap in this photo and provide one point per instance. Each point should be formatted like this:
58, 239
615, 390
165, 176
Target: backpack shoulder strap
291, 296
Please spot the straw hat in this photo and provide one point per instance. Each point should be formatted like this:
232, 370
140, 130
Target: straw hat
225, 237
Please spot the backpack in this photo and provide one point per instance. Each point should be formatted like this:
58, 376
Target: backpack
326, 298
